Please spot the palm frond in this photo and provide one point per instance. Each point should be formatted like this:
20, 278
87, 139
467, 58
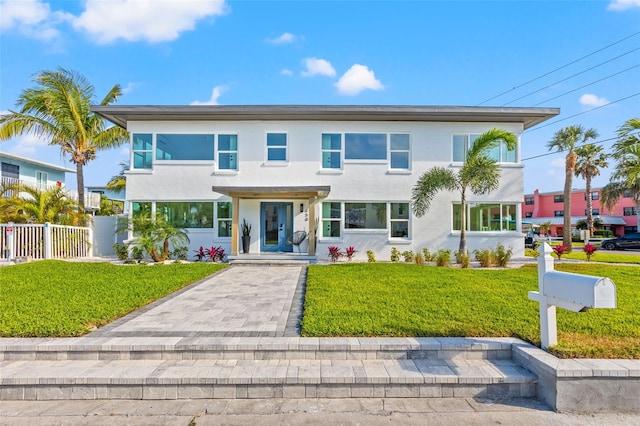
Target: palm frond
428, 185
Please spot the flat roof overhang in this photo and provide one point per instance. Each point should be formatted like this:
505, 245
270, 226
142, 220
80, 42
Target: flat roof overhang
273, 192
123, 114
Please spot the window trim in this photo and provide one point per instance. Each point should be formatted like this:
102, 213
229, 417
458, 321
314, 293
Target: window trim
340, 151
44, 184
500, 204
367, 231
149, 151
391, 151
218, 151
558, 198
286, 148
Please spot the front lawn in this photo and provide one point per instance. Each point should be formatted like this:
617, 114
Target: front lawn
386, 299
57, 298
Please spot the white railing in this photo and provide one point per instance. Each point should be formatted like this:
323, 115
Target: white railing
91, 199
44, 241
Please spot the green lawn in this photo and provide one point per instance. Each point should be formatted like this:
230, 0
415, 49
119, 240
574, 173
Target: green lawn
385, 299
599, 256
57, 298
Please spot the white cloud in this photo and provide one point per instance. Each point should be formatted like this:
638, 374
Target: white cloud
286, 71
623, 4
315, 66
148, 20
356, 79
215, 94
28, 144
31, 18
129, 88
589, 99
284, 38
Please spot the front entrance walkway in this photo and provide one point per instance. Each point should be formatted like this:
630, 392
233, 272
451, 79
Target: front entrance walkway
240, 301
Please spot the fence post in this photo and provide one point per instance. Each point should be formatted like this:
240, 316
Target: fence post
47, 240
548, 329
89, 241
10, 244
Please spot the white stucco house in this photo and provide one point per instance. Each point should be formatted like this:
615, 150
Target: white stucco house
347, 169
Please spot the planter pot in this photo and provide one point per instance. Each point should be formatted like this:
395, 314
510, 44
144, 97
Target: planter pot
246, 242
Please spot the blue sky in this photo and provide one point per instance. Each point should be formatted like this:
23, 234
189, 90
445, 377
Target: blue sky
581, 56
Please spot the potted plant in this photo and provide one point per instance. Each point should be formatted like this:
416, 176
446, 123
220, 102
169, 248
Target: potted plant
246, 236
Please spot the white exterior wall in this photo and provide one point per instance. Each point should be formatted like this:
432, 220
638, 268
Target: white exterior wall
431, 145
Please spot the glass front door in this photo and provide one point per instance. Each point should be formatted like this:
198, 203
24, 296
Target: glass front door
277, 226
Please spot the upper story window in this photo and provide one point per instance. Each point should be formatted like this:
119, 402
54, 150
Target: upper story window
626, 193
558, 198
184, 147
558, 213
528, 201
399, 151
463, 142
365, 146
629, 211
142, 150
228, 152
593, 211
594, 196
41, 179
277, 147
331, 150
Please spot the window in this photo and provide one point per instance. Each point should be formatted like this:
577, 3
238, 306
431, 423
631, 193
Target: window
142, 150
399, 220
528, 214
558, 213
331, 150
399, 151
626, 193
594, 196
486, 217
228, 152
140, 208
276, 147
187, 214
365, 215
224, 215
463, 142
595, 212
41, 180
365, 146
331, 215
10, 171
528, 201
629, 211
558, 198
184, 147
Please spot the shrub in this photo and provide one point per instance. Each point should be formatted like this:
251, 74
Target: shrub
180, 253
463, 259
137, 253
419, 259
532, 252
428, 257
502, 255
122, 251
589, 250
335, 253
200, 255
559, 250
603, 233
395, 254
485, 257
371, 256
408, 255
443, 257
350, 252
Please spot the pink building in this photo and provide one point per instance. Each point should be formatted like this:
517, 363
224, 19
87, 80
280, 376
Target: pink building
539, 208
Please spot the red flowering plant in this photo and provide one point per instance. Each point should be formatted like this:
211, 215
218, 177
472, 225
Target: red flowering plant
589, 250
560, 250
350, 252
335, 253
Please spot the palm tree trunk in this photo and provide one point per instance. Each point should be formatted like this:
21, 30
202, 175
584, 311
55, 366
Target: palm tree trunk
589, 205
80, 183
462, 248
568, 182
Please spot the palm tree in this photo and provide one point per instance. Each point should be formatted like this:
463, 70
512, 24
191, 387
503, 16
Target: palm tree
479, 174
626, 175
567, 139
118, 182
34, 205
58, 109
590, 160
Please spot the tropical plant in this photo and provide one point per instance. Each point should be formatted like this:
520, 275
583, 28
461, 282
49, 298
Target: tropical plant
502, 255
545, 228
154, 235
200, 254
427, 255
215, 254
479, 175
371, 256
443, 257
463, 259
118, 182
560, 250
589, 250
582, 224
485, 257
626, 175
246, 228
567, 140
335, 253
589, 162
30, 204
419, 259
121, 250
349, 252
395, 254
58, 109
408, 256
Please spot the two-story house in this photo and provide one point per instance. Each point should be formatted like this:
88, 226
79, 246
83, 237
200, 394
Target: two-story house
343, 174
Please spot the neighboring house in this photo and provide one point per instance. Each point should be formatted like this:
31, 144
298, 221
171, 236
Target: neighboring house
117, 199
540, 208
348, 169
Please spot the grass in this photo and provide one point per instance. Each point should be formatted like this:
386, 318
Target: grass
599, 256
384, 299
57, 298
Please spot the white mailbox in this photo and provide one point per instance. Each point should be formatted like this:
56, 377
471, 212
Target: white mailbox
577, 292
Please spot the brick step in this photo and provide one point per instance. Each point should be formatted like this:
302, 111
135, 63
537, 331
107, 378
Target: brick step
276, 378
253, 348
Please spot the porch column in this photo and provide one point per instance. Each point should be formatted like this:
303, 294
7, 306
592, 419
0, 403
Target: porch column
235, 209
312, 224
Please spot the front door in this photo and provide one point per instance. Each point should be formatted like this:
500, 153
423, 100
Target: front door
277, 226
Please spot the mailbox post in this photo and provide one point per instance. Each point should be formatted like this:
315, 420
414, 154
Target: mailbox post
574, 292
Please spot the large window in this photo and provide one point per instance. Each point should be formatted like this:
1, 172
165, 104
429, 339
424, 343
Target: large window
365, 215
223, 216
331, 150
393, 217
486, 217
399, 151
187, 214
400, 220
184, 147
629, 211
331, 217
463, 142
277, 147
228, 152
365, 146
142, 148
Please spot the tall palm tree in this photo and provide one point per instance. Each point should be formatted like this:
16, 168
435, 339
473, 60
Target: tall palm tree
118, 182
480, 175
626, 175
58, 109
567, 139
590, 160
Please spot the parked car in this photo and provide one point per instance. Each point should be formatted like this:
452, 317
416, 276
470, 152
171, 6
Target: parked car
629, 241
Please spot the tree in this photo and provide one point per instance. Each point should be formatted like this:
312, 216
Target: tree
119, 182
479, 174
58, 109
154, 235
30, 204
626, 175
589, 162
567, 139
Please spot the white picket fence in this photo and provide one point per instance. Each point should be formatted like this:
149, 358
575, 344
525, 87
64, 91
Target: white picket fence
44, 241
